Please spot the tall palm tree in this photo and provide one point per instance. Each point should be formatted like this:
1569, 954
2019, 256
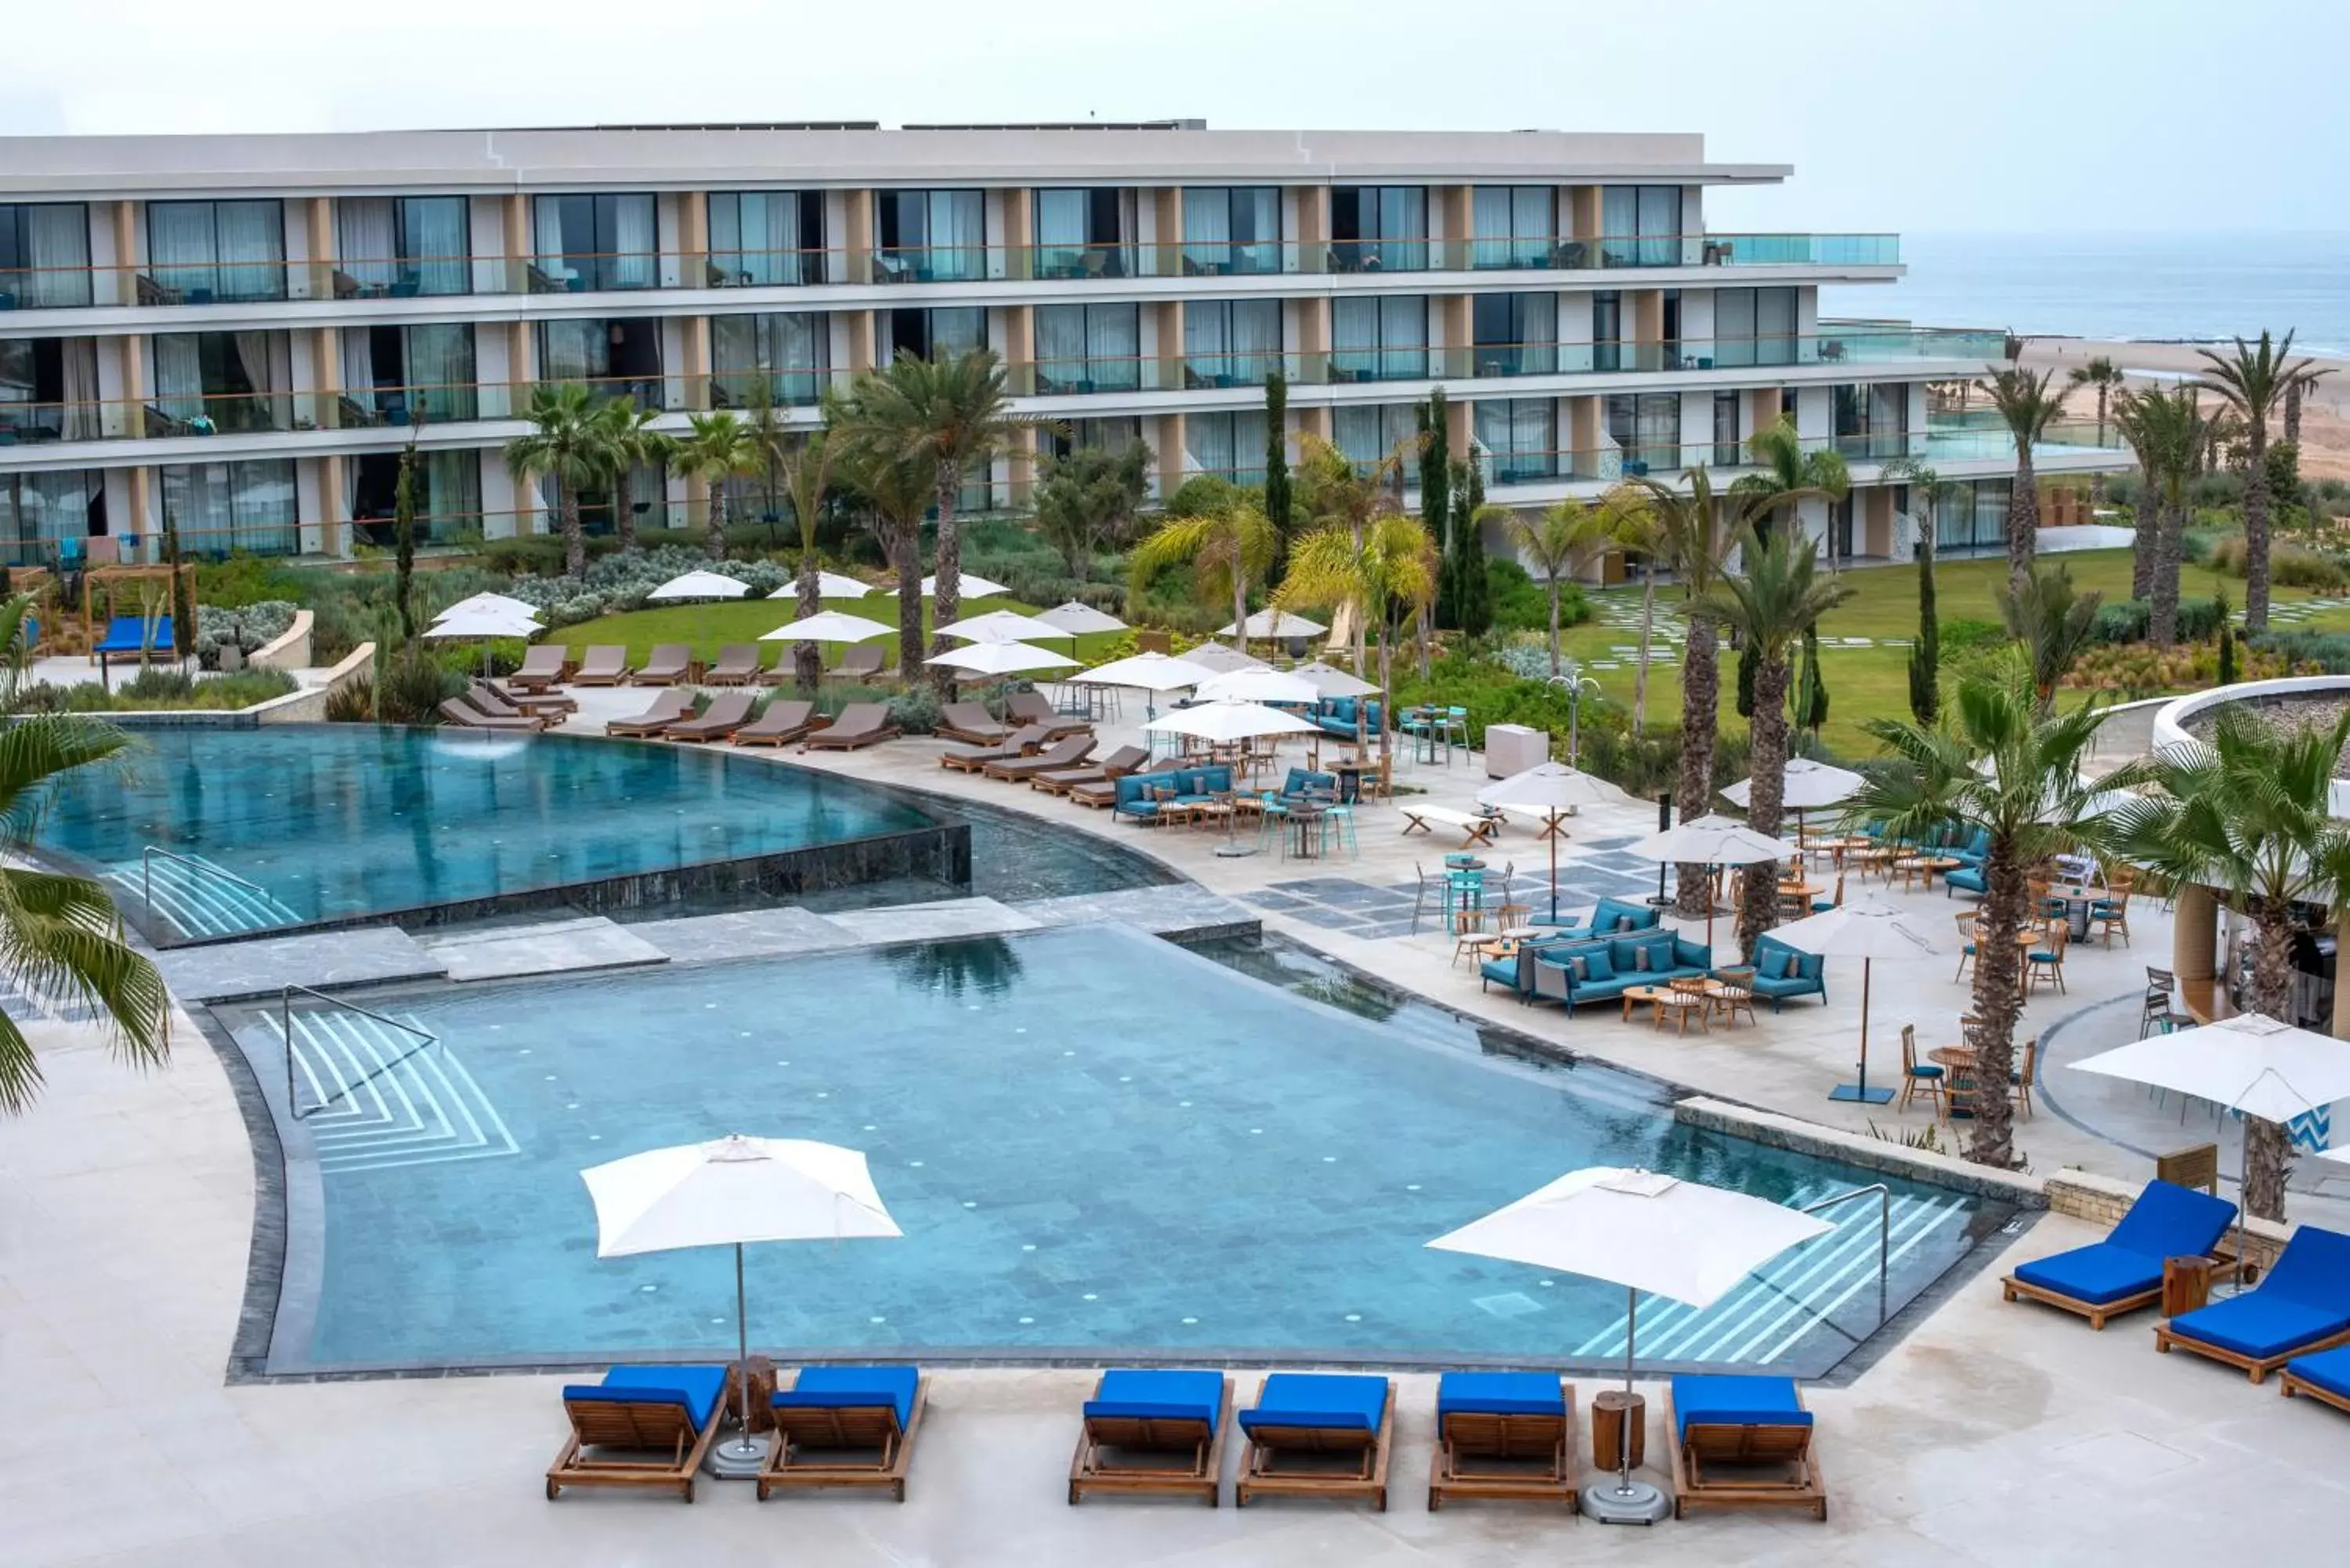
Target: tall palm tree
2028, 407
1338, 491
2146, 522
1549, 542
720, 448
2106, 377
773, 440
1928, 493
570, 443
2001, 764
632, 443
2295, 388
896, 493
2168, 432
2247, 814
1627, 518
2252, 381
2052, 623
1226, 550
1385, 572
806, 474
1789, 476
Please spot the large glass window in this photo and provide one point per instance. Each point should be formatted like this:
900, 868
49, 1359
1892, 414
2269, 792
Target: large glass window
1729, 435
1379, 228
943, 332
792, 350
1083, 233
1112, 435
1231, 342
931, 236
1520, 436
398, 375
614, 357
1231, 229
1975, 518
217, 508
1517, 334
448, 495
200, 252
1089, 347
595, 242
1872, 421
1646, 430
44, 255
766, 238
40, 513
1606, 330
1368, 433
1754, 326
48, 391
1383, 339
402, 246
1513, 225
1640, 225
1229, 445
211, 381
645, 496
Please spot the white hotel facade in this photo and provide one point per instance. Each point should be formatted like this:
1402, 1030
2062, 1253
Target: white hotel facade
238, 333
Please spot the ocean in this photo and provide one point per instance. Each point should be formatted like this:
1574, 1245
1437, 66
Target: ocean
2151, 288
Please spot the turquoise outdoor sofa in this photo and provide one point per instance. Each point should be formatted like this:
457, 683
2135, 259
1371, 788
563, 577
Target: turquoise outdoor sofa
1780, 972
1335, 715
1609, 916
1137, 798
2124, 1272
1577, 969
2302, 1307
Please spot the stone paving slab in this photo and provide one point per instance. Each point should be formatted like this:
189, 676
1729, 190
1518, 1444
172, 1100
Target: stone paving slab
553, 947
228, 972
940, 921
744, 933
1180, 910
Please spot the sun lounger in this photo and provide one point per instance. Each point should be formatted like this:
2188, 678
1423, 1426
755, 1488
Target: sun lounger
1741, 1442
2324, 1376
971, 724
858, 664
2124, 1272
786, 720
1153, 1432
602, 667
2302, 1307
860, 725
1065, 753
668, 665
1502, 1434
971, 759
1100, 797
846, 1426
1033, 708
542, 667
1318, 1434
666, 709
738, 665
1124, 760
531, 702
783, 669
489, 700
1476, 832
728, 712
457, 711
642, 1427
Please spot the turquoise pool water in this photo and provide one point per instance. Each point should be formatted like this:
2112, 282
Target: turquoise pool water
1096, 1144
333, 822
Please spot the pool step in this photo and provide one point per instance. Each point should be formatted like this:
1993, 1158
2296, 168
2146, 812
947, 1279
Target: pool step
374, 1098
199, 899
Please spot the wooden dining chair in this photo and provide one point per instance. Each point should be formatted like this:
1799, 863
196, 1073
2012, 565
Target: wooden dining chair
2019, 1079
2045, 965
1509, 911
1917, 1077
1968, 932
2112, 911
1734, 993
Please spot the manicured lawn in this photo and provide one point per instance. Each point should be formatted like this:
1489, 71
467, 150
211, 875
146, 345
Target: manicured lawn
704, 626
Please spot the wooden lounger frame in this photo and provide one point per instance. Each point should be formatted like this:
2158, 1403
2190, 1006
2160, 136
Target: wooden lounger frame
1262, 1474
2290, 1384
642, 1426
1749, 1447
1019, 770
1203, 1477
834, 738
831, 1428
2258, 1368
750, 736
1464, 1437
2010, 1288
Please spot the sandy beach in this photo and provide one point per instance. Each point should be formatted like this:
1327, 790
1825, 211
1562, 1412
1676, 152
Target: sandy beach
2325, 412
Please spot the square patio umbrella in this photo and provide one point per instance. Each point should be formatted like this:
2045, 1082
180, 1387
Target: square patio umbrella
501, 604
1332, 681
1259, 685
1645, 1231
1151, 672
1216, 659
1711, 841
1000, 658
1076, 619
699, 585
730, 1192
487, 623
999, 625
1554, 789
968, 587
1867, 929
1274, 624
829, 586
828, 625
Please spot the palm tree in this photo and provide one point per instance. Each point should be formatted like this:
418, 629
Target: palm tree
1627, 518
773, 440
2252, 381
2053, 623
1771, 604
1226, 551
806, 472
2247, 814
2027, 405
2168, 432
2295, 388
632, 443
1928, 492
1385, 572
2107, 378
571, 444
2001, 764
1789, 477
897, 492
2130, 421
1338, 491
720, 448
1549, 541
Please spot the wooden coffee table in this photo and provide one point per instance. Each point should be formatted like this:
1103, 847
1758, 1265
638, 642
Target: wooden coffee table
1663, 1002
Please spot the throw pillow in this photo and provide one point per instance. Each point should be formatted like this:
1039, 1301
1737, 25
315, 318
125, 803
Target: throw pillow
1596, 966
1775, 965
1579, 967
1623, 923
1640, 961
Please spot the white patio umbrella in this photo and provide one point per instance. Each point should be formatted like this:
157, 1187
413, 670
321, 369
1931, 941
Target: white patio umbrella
1000, 658
1711, 841
699, 585
1276, 623
1807, 786
1230, 719
1554, 789
1215, 658
1147, 671
968, 587
999, 625
487, 623
1076, 619
829, 586
1332, 681
1261, 684
827, 626
1867, 929
500, 603
1645, 1232
730, 1192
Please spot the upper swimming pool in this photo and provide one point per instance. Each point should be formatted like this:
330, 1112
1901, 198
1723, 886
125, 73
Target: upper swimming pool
329, 823
1098, 1145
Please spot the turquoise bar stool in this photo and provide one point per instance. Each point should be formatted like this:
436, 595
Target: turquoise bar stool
1338, 823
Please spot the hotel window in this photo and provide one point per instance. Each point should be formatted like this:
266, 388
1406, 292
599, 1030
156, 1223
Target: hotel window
588, 242
615, 358
1083, 233
1088, 348
792, 350
207, 382
44, 255
1520, 436
1112, 435
402, 246
1640, 225
645, 495
1729, 441
1383, 339
40, 512
944, 332
1513, 225
1368, 434
931, 236
1606, 330
1231, 342
220, 507
1517, 334
1754, 326
1229, 445
1646, 430
403, 375
448, 494
1872, 421
201, 252
48, 391
765, 239
1231, 229
1976, 518
1379, 228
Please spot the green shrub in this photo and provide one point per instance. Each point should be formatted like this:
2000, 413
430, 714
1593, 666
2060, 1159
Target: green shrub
156, 689
2123, 622
352, 702
1522, 603
915, 709
1961, 635
2291, 566
2326, 651
411, 685
242, 580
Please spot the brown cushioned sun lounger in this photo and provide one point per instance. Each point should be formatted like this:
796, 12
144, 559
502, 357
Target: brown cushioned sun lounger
728, 712
1065, 753
542, 667
602, 667
786, 720
971, 759
781, 671
482, 694
738, 665
1034, 708
457, 711
642, 1426
1124, 760
1153, 1432
971, 724
860, 725
667, 708
531, 702
668, 665
856, 664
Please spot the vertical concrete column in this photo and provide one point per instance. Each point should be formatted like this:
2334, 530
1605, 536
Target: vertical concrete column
1452, 219
1583, 435
131, 418
330, 503
1168, 368
1020, 348
1017, 258
856, 236
1312, 237
1456, 428
1313, 419
859, 325
1762, 410
1166, 259
693, 356
1020, 464
1458, 355
324, 253
2195, 934
694, 238
1167, 466
1647, 313
1583, 214
516, 243
126, 254
327, 375
1311, 361
522, 367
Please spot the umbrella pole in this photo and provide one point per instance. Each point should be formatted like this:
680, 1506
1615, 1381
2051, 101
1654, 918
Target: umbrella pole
1631, 1334
1554, 872
1860, 1093
742, 1444
1628, 1502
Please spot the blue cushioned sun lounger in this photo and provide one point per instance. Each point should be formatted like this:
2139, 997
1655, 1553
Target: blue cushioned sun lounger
2302, 1308
641, 1426
2324, 1376
1502, 1434
1318, 1434
846, 1426
2124, 1272
1741, 1442
1153, 1432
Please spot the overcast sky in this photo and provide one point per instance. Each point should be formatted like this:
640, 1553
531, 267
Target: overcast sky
1974, 116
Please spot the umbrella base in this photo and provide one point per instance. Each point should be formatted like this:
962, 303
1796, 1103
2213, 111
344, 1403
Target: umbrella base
1637, 1503
737, 1459
1234, 851
1857, 1094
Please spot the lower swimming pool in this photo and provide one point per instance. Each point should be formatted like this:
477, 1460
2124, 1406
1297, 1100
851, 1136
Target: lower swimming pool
1097, 1144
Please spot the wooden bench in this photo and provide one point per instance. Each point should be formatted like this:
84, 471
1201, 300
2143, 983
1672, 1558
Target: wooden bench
1476, 832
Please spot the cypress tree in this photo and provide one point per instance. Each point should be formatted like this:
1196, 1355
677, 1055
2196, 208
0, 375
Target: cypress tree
1746, 663
1276, 454
1436, 498
1926, 657
403, 531
1472, 590
1812, 695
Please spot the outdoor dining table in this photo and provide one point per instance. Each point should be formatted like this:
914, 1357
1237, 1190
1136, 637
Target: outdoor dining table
2079, 901
1957, 1064
1924, 869
1306, 818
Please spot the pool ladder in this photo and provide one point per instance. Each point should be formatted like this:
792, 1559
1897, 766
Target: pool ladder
425, 1039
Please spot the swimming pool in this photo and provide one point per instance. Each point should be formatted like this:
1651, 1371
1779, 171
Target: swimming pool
306, 824
1098, 1146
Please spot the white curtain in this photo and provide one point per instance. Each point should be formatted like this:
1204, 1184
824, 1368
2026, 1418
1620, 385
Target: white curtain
180, 243
762, 229
1537, 329
546, 236
359, 369
633, 243
1060, 346
1490, 220
1355, 338
1533, 223
179, 375
1255, 340
958, 234
367, 241
1060, 232
56, 247
1114, 345
1206, 345
1207, 229
733, 353
253, 356
571, 350
252, 250
1403, 337
438, 249
440, 370
1208, 442
79, 360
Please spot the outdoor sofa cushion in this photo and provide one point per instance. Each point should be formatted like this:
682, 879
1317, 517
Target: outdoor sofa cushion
1795, 974
1499, 1393
1731, 1401
853, 1389
1329, 1401
2097, 1274
697, 1388
1607, 919
1125, 1393
2166, 1222
1966, 879
2305, 1298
